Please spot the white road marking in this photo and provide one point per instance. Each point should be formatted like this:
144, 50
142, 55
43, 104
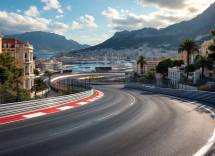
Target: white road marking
91, 100
65, 107
211, 141
82, 103
34, 115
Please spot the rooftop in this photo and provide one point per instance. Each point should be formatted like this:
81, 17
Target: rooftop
11, 41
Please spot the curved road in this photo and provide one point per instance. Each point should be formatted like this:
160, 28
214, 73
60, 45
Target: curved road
124, 122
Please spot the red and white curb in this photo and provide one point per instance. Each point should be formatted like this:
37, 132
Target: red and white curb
52, 110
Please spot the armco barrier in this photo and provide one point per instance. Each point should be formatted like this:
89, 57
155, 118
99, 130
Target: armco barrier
196, 95
11, 109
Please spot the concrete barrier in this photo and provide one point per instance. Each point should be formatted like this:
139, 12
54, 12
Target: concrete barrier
196, 95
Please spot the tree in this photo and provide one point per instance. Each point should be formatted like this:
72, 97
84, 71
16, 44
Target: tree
5, 75
204, 62
10, 80
151, 75
212, 56
34, 57
36, 72
191, 47
6, 59
39, 84
212, 46
47, 72
152, 69
142, 62
191, 68
177, 62
163, 65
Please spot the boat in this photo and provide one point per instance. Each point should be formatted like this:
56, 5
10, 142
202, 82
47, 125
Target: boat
85, 67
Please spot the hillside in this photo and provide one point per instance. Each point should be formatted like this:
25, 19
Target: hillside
198, 28
44, 41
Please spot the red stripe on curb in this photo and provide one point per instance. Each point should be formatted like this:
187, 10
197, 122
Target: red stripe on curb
47, 111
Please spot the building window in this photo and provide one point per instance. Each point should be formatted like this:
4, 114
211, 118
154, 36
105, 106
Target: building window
26, 69
26, 55
26, 84
5, 45
9, 45
206, 50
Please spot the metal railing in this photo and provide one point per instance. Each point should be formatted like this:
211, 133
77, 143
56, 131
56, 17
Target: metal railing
17, 108
184, 84
196, 95
60, 88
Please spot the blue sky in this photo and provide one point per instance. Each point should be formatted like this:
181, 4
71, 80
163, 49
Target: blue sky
94, 21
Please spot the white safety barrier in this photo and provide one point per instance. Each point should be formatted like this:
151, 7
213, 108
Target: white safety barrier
196, 95
11, 109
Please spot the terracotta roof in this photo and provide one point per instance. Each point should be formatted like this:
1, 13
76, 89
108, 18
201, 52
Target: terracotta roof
11, 41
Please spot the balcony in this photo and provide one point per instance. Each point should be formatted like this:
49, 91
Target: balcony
28, 60
23, 46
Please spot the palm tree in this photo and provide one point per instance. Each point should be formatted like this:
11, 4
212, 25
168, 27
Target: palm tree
204, 62
39, 84
191, 46
142, 62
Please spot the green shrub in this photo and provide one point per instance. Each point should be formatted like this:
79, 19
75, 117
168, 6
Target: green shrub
205, 88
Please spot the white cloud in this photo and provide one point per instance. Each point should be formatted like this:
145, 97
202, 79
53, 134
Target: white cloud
32, 11
76, 25
110, 13
88, 20
69, 7
122, 11
158, 19
109, 25
178, 5
58, 28
52, 4
85, 36
88, 24
59, 16
94, 41
12, 23
126, 11
19, 10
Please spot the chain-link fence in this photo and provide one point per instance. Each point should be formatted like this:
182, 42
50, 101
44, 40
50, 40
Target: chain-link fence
71, 85
184, 84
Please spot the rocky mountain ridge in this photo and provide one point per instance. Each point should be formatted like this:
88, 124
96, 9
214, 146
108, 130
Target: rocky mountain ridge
48, 42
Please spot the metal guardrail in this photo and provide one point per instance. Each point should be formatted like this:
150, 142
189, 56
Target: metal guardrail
196, 95
17, 108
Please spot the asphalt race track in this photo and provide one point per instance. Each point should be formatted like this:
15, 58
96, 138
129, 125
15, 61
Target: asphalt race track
123, 122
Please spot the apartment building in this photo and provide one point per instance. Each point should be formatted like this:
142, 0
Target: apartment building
183, 56
23, 52
151, 64
205, 45
203, 51
49, 65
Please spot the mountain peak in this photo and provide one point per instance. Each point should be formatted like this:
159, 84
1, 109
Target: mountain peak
51, 42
